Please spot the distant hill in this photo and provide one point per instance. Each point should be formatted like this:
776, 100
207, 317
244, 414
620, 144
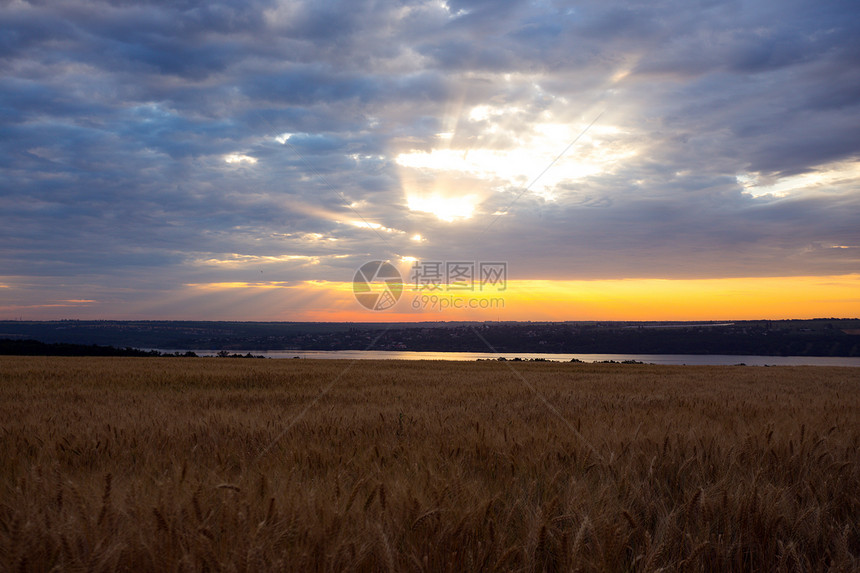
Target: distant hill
816, 337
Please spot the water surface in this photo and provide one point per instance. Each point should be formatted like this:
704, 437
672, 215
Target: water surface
690, 359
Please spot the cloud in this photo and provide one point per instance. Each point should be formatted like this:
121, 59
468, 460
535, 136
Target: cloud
118, 121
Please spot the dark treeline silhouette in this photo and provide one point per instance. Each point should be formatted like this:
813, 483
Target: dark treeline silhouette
35, 348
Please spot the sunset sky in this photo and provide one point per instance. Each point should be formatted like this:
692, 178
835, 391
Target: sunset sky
240, 160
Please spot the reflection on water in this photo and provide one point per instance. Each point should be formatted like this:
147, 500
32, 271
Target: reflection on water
690, 359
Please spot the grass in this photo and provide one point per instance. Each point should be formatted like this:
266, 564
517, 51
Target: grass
251, 465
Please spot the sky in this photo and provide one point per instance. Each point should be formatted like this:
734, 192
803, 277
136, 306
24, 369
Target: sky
241, 160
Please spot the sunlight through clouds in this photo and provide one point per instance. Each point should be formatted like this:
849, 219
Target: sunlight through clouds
374, 226
238, 260
599, 151
445, 208
237, 158
832, 177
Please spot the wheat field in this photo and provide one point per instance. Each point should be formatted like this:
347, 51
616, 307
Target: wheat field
175, 464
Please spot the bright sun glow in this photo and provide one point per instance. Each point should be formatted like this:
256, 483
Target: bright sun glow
445, 208
500, 156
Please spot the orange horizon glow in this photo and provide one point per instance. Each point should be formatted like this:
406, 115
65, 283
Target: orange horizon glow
771, 298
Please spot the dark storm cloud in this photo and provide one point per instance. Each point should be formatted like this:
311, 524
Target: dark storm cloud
117, 120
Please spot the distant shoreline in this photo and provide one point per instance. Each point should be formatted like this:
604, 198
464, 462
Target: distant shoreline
814, 337
35, 348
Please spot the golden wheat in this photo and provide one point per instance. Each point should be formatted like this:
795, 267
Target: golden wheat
251, 465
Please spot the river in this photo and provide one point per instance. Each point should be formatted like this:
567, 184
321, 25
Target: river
678, 359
